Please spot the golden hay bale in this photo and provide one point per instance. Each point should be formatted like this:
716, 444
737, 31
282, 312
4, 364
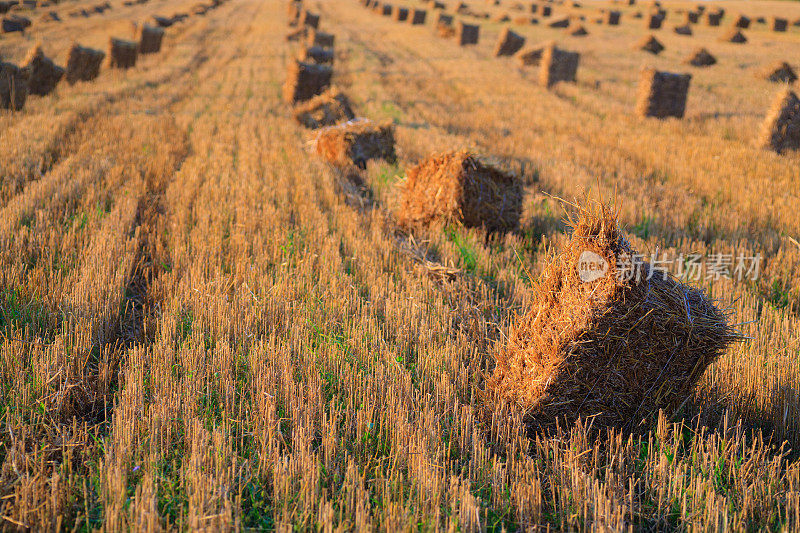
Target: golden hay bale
83, 64
653, 21
781, 128
778, 72
150, 39
43, 74
456, 187
307, 18
443, 19
13, 86
326, 109
576, 30
691, 17
733, 35
162, 22
317, 55
612, 18
417, 17
649, 44
547, 11
662, 94
560, 23
598, 342
509, 43
713, 18
121, 53
305, 81
700, 57
399, 13
356, 142
683, 30
557, 65
468, 33
741, 22
319, 38
386, 10
532, 55
778, 24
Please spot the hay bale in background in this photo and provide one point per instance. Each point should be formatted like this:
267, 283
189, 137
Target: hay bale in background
456, 187
612, 18
576, 30
778, 24
713, 18
733, 36
700, 57
443, 19
557, 65
13, 86
779, 72
781, 129
319, 38
417, 17
162, 22
509, 43
399, 13
650, 44
653, 21
532, 56
150, 39
356, 142
741, 22
468, 33
560, 23
691, 17
307, 18
326, 109
83, 64
683, 30
662, 94
595, 343
121, 53
317, 55
305, 81
43, 74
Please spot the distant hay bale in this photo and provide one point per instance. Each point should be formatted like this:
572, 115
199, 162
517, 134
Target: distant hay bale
468, 33
457, 187
560, 23
532, 56
700, 57
713, 18
781, 129
557, 65
43, 74
662, 94
612, 18
683, 30
691, 17
598, 342
297, 35
649, 44
399, 13
122, 54
150, 39
386, 10
502, 17
576, 30
443, 19
779, 24
162, 22
307, 18
305, 81
741, 22
356, 142
547, 11
417, 17
83, 64
327, 109
733, 35
317, 55
319, 38
509, 43
653, 21
779, 72
13, 86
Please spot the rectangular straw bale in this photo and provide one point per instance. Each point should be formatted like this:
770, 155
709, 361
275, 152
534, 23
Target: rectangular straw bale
356, 142
44, 75
319, 38
121, 53
150, 39
662, 94
305, 80
13, 86
781, 129
509, 43
317, 55
327, 109
468, 33
557, 65
83, 64
418, 17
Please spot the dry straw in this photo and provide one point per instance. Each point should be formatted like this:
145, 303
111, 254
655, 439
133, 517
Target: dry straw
305, 80
83, 64
355, 142
44, 75
781, 129
599, 343
326, 109
13, 86
509, 43
662, 94
121, 53
456, 187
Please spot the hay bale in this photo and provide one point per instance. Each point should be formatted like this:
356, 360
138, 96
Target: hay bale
691, 17
150, 39
386, 10
417, 17
700, 57
733, 35
779, 24
468, 33
13, 86
509, 43
443, 19
305, 81
741, 22
162, 22
781, 129
297, 35
307, 18
596, 343
560, 23
547, 11
43, 74
649, 44
532, 56
779, 72
653, 21
83, 64
576, 30
683, 30
316, 55
319, 38
713, 18
15, 23
327, 109
662, 94
121, 53
457, 187
356, 142
557, 65
612, 18
399, 13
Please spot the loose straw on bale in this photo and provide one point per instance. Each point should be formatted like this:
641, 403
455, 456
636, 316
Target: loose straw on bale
356, 142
